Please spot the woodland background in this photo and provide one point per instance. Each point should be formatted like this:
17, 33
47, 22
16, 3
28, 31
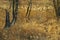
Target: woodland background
43, 23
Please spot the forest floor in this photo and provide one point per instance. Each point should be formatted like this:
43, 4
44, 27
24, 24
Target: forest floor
42, 25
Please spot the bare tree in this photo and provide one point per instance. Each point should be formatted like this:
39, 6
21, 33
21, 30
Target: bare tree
29, 9
7, 21
57, 8
14, 5
15, 10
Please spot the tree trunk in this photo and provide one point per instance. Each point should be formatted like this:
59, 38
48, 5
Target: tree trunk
14, 13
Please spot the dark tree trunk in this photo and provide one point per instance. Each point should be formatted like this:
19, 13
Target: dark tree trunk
29, 9
14, 14
15, 11
7, 21
57, 8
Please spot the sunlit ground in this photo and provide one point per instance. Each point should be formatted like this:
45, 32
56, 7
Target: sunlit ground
43, 24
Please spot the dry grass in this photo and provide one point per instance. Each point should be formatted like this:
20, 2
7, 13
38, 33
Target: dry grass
41, 26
